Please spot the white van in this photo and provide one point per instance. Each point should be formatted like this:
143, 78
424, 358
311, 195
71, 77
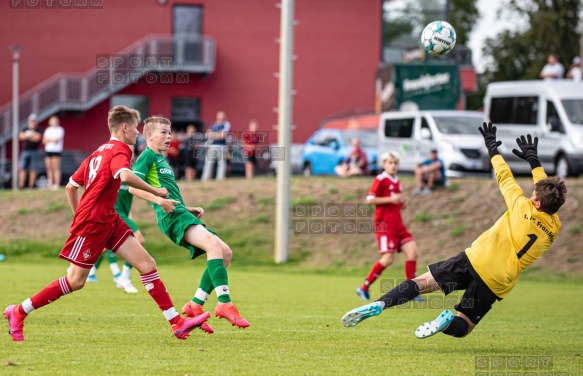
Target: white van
454, 134
550, 110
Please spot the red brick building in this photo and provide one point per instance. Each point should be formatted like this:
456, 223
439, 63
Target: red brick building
79, 61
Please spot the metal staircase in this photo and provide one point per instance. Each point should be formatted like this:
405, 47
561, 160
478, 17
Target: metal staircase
154, 57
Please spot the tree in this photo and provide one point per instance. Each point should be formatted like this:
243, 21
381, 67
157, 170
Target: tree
463, 16
552, 28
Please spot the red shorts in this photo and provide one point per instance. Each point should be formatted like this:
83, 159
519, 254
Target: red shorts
392, 242
84, 251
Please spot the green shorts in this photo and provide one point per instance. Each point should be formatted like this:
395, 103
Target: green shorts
175, 224
132, 225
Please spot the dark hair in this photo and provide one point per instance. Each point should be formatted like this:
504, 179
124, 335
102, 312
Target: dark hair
551, 192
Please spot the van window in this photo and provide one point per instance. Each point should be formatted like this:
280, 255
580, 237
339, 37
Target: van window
553, 120
401, 128
574, 110
514, 110
424, 124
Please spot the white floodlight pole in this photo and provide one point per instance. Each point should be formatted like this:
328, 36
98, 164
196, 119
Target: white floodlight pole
282, 212
15, 59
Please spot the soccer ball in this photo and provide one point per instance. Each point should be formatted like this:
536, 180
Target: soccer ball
438, 38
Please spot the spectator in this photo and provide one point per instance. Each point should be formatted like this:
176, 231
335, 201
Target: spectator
429, 174
356, 164
553, 70
217, 149
30, 152
574, 72
250, 141
173, 153
53, 140
190, 153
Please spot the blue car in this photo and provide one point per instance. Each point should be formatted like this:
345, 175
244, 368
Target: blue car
326, 148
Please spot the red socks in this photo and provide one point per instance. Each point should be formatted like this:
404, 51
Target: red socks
158, 292
49, 294
410, 269
374, 273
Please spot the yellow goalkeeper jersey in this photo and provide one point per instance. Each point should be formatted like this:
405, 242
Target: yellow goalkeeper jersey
517, 239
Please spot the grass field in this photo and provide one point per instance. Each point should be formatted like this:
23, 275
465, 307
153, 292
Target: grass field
295, 328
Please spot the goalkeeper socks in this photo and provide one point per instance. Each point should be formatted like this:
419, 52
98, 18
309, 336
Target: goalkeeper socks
410, 269
204, 288
374, 273
457, 328
220, 279
49, 294
158, 292
400, 294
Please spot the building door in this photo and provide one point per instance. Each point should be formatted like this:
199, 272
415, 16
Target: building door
187, 32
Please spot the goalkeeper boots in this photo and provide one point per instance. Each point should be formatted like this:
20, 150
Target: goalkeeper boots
352, 318
431, 328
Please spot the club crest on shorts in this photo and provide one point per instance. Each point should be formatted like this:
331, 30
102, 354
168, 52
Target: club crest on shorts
86, 254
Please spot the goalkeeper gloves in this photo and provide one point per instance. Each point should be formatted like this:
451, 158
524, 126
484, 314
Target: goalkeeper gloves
488, 131
528, 150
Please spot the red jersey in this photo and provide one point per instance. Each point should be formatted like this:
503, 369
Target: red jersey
387, 217
250, 141
99, 174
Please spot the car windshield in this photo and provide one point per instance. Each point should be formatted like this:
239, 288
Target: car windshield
458, 124
574, 110
368, 139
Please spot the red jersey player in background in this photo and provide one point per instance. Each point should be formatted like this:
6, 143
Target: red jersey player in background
96, 226
392, 235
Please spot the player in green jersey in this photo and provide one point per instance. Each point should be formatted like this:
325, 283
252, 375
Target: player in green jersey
123, 205
184, 227
490, 267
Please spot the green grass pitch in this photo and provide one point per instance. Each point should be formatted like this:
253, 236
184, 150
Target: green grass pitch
295, 329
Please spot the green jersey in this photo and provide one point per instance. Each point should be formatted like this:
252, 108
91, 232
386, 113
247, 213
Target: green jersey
123, 204
154, 170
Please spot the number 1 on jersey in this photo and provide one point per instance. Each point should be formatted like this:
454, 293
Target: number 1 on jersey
532, 239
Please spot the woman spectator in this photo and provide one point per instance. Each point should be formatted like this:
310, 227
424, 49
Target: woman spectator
53, 141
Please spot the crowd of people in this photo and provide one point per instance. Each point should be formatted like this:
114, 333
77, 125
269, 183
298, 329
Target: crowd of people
187, 146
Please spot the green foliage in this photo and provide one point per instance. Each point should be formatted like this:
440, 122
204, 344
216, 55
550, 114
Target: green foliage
458, 231
304, 200
423, 217
464, 15
458, 199
333, 191
349, 196
520, 55
452, 187
23, 211
219, 203
260, 219
575, 230
55, 207
267, 200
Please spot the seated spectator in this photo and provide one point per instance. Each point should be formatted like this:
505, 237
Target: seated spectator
356, 164
553, 70
429, 174
574, 72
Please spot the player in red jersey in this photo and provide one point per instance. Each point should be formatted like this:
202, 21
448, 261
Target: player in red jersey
96, 226
392, 235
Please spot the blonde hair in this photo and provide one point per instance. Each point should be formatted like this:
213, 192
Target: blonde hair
150, 123
121, 115
390, 154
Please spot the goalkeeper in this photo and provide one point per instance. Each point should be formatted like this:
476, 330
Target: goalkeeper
490, 267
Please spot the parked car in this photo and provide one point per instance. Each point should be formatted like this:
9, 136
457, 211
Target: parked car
70, 162
326, 148
236, 160
294, 155
550, 110
453, 133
